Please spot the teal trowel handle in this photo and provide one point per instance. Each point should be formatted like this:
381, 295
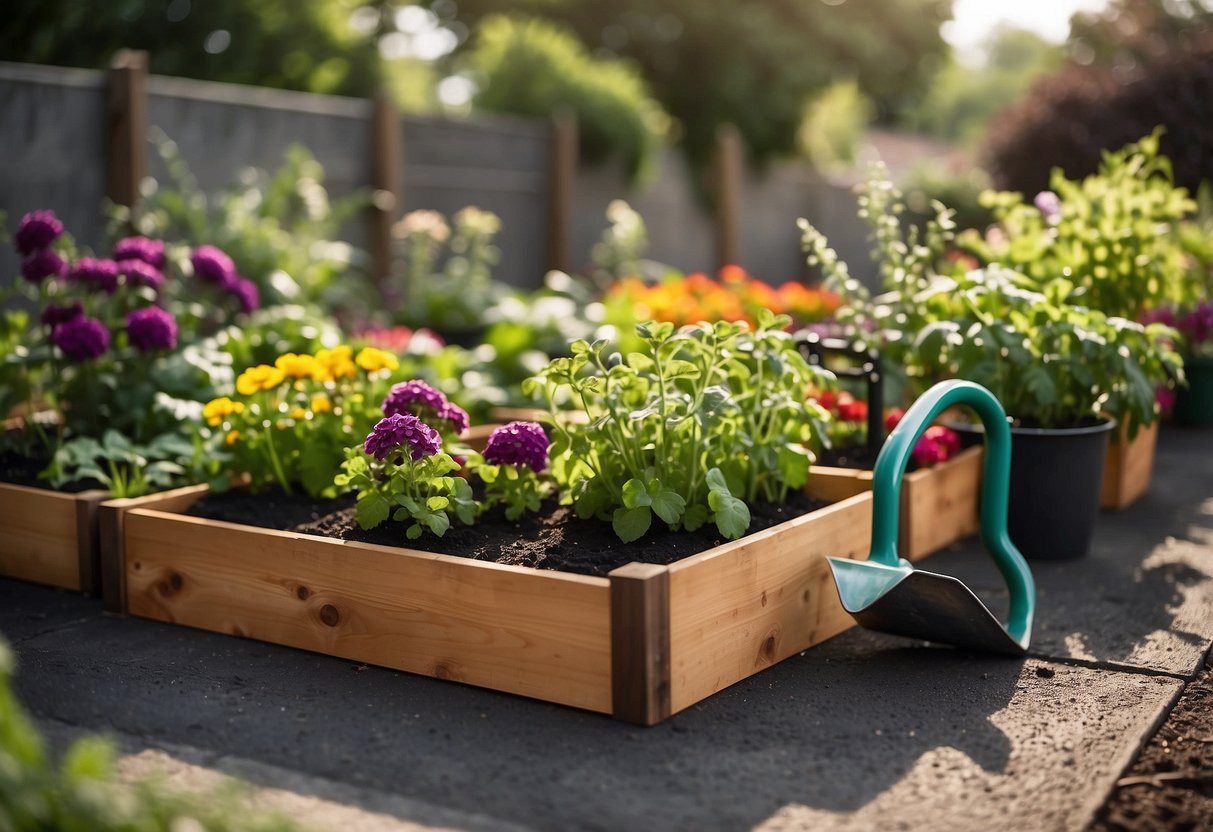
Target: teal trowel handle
891, 467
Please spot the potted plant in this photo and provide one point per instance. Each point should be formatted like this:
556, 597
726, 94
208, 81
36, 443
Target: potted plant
1065, 373
1115, 238
107, 374
686, 441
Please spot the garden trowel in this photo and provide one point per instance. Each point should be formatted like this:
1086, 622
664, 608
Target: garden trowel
888, 594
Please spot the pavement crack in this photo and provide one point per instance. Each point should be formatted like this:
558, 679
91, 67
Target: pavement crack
1117, 667
51, 631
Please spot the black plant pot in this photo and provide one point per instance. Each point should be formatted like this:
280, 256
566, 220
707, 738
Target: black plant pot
1056, 476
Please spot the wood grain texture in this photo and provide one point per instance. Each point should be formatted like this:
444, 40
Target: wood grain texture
40, 535
110, 515
1128, 467
640, 642
540, 634
744, 606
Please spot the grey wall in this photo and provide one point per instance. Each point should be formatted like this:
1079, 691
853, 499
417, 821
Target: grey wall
52, 155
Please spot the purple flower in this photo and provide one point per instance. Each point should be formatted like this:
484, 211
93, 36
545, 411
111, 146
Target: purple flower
141, 273
1162, 315
1049, 205
38, 229
82, 338
246, 292
1198, 324
400, 430
43, 263
213, 266
54, 315
414, 397
456, 417
96, 274
518, 443
151, 329
142, 249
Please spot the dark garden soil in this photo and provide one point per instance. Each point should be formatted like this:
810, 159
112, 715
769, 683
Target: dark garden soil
553, 538
18, 469
1170, 787
858, 457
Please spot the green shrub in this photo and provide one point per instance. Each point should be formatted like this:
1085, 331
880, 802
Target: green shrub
533, 68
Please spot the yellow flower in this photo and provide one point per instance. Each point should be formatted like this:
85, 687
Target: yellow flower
301, 366
321, 404
216, 410
232, 436
261, 377
298, 414
338, 362
372, 360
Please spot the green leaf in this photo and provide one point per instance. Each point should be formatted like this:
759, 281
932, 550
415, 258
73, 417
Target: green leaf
593, 500
414, 531
631, 523
316, 465
438, 523
669, 506
794, 465
678, 368
731, 514
635, 494
694, 517
371, 510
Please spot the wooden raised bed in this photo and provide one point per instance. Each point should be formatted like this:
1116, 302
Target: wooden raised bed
939, 505
50, 537
641, 644
1128, 467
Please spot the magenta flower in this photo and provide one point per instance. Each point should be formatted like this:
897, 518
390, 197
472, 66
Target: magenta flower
245, 291
456, 417
414, 397
141, 273
937, 444
82, 339
99, 275
1197, 325
38, 229
43, 263
518, 443
213, 266
54, 315
1049, 205
143, 249
399, 431
151, 329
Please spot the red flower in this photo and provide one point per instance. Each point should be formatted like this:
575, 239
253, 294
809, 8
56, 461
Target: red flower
826, 398
855, 410
893, 417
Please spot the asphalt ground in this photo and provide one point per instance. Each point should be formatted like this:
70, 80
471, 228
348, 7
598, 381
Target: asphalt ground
865, 731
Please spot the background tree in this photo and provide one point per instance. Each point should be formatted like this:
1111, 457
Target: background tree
750, 63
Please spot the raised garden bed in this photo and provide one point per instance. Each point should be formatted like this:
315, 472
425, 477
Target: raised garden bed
1128, 467
50, 537
643, 643
939, 505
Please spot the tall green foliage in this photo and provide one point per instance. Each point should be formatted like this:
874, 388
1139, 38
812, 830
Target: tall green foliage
534, 68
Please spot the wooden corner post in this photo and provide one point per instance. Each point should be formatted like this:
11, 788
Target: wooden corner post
126, 126
562, 174
726, 174
385, 182
640, 643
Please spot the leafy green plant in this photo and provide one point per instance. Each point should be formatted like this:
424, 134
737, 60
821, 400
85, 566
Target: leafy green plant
282, 230
403, 473
124, 468
1111, 236
691, 427
458, 295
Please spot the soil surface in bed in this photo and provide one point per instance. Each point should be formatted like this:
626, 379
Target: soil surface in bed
553, 538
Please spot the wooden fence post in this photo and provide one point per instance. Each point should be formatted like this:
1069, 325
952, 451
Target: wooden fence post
126, 126
562, 173
727, 175
386, 182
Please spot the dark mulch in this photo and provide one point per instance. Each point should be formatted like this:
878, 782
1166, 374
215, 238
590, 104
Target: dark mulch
553, 538
19, 469
1170, 787
858, 457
